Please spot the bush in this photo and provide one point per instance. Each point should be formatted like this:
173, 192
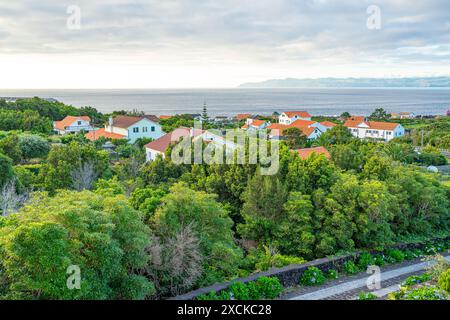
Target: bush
312, 277
395, 256
365, 260
379, 260
332, 274
444, 281
239, 291
222, 295
413, 280
350, 267
269, 288
367, 296
425, 293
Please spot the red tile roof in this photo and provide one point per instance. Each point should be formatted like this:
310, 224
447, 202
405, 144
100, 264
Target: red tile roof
126, 121
372, 125
301, 114
95, 135
255, 123
67, 121
164, 142
328, 124
305, 153
243, 116
165, 117
301, 123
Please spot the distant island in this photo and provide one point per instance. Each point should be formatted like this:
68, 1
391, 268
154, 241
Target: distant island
413, 82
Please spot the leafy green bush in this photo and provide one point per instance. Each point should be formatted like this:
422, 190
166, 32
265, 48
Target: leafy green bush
269, 288
239, 291
444, 281
413, 280
367, 296
379, 260
365, 260
350, 267
312, 277
332, 274
425, 293
395, 256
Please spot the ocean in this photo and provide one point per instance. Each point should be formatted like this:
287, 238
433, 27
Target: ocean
424, 101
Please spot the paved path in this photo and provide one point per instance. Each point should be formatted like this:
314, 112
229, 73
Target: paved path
349, 289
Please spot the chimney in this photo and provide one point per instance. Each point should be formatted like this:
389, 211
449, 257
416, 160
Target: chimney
110, 122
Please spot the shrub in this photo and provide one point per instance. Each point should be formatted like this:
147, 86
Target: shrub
239, 291
379, 260
254, 291
395, 255
425, 293
332, 274
350, 267
269, 288
367, 296
312, 277
413, 280
365, 260
444, 281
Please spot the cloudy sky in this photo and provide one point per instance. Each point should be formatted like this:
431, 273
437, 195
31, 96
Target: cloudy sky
216, 43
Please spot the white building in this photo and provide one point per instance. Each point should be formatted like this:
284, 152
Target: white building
73, 124
130, 128
255, 124
288, 117
375, 130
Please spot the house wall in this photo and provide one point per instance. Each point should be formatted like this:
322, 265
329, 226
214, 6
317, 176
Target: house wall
141, 125
151, 154
386, 135
74, 127
284, 119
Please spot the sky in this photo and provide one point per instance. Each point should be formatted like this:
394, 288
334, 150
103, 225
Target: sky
217, 43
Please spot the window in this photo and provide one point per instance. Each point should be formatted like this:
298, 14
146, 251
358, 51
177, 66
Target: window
136, 130
79, 123
153, 129
388, 133
144, 129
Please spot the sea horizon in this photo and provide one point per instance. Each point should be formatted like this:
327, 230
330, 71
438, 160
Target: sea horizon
264, 101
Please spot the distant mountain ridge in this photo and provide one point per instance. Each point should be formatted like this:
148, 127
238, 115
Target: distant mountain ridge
411, 82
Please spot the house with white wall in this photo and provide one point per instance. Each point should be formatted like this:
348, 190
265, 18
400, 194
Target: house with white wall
255, 124
385, 131
73, 124
130, 128
289, 117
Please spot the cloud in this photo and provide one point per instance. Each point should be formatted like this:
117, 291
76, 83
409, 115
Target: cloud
259, 32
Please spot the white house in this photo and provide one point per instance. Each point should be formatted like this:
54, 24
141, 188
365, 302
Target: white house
375, 130
71, 124
403, 115
159, 146
289, 117
309, 130
130, 128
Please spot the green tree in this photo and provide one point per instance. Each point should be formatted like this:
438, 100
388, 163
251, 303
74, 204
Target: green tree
10, 147
102, 236
295, 138
264, 199
33, 146
380, 114
210, 224
64, 160
6, 170
336, 135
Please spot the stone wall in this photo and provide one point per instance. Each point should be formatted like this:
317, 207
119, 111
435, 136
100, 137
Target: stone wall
290, 275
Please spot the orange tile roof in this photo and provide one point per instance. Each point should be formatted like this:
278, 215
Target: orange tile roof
243, 116
277, 129
328, 124
377, 125
301, 114
301, 123
278, 126
305, 153
164, 142
357, 118
165, 117
95, 135
67, 121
